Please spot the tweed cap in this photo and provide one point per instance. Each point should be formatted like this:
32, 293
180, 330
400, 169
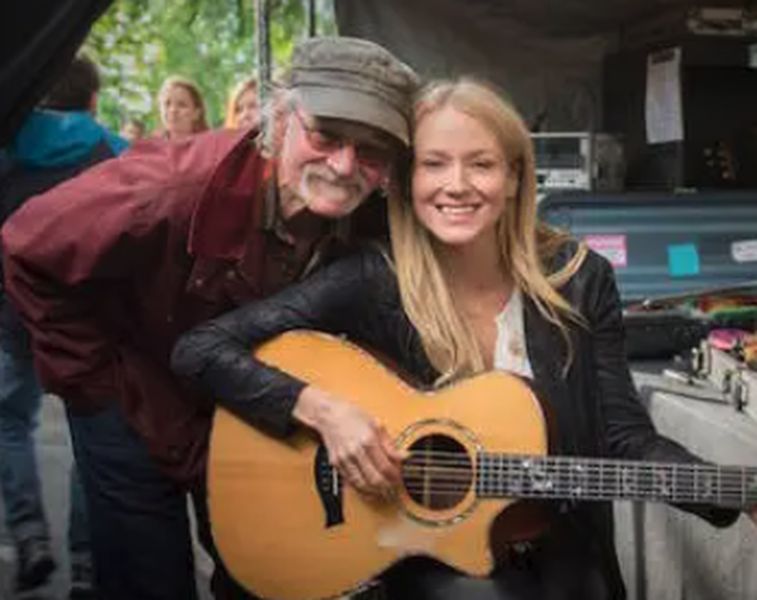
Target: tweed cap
357, 80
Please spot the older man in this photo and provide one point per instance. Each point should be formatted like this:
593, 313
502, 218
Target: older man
108, 269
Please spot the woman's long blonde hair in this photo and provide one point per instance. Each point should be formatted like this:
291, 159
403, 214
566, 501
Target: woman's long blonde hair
526, 245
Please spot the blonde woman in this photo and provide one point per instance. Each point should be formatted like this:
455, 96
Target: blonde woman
473, 283
182, 108
242, 110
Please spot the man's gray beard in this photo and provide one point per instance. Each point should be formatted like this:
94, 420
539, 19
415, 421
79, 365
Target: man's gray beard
355, 187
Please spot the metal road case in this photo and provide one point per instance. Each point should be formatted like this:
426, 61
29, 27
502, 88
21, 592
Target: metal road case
729, 375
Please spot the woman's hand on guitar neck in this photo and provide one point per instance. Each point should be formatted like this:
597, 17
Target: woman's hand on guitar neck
359, 447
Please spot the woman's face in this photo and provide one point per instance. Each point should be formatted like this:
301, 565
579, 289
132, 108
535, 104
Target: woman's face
460, 177
179, 112
247, 113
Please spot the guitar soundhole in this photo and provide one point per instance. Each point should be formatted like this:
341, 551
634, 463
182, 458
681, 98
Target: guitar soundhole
439, 473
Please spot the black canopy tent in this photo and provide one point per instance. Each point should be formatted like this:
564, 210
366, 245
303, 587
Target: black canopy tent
547, 54
37, 39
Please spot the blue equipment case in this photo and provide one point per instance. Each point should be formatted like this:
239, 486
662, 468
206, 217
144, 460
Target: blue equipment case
664, 245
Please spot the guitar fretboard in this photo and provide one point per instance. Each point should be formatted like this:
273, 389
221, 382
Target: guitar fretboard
506, 475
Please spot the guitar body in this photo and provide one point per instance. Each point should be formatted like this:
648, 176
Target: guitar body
285, 526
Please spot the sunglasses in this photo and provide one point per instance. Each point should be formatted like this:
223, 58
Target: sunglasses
327, 138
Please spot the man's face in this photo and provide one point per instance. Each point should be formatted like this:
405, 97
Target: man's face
330, 165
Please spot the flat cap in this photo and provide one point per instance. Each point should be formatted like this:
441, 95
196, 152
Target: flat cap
357, 80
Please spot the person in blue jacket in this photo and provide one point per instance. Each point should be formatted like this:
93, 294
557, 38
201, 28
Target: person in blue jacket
59, 140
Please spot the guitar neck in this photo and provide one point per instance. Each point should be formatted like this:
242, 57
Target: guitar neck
506, 475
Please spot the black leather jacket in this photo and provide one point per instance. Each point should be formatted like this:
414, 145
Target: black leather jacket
596, 407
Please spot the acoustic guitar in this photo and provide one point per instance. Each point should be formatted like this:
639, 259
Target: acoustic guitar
287, 528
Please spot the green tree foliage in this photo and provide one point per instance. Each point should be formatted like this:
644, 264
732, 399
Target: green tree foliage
138, 43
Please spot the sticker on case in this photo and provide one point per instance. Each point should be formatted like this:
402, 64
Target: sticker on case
683, 260
612, 247
744, 251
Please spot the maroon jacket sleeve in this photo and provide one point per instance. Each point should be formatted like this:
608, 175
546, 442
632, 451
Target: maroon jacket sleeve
66, 253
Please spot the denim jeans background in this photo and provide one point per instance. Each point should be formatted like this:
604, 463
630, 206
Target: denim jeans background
141, 544
139, 518
20, 401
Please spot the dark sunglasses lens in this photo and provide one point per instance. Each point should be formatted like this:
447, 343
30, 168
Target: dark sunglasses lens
370, 153
323, 140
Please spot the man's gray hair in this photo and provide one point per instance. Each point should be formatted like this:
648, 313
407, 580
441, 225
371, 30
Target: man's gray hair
279, 103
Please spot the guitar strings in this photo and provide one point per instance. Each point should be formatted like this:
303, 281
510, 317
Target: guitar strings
588, 463
459, 473
731, 486
694, 474
687, 491
436, 487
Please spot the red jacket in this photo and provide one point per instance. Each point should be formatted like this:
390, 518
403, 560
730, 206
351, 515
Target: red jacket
109, 268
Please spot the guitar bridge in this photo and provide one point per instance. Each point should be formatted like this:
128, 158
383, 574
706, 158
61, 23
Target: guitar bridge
329, 486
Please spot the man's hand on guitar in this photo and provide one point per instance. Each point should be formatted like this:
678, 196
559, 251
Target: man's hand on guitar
359, 447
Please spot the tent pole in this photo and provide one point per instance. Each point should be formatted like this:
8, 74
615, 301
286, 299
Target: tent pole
262, 12
312, 21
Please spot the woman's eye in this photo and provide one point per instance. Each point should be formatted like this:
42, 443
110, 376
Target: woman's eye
431, 163
483, 165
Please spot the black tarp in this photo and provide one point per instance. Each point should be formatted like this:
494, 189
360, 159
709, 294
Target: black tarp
546, 54
37, 40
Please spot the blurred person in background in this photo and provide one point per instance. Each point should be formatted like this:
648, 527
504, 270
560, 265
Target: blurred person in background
182, 108
242, 110
60, 139
132, 130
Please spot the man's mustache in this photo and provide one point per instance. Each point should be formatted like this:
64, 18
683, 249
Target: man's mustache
325, 174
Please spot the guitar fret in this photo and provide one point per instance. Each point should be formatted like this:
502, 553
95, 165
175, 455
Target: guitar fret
629, 481
642, 484
725, 479
578, 482
745, 482
661, 483
696, 483
553, 472
480, 458
485, 475
502, 487
489, 480
482, 474
682, 485
709, 483
505, 470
